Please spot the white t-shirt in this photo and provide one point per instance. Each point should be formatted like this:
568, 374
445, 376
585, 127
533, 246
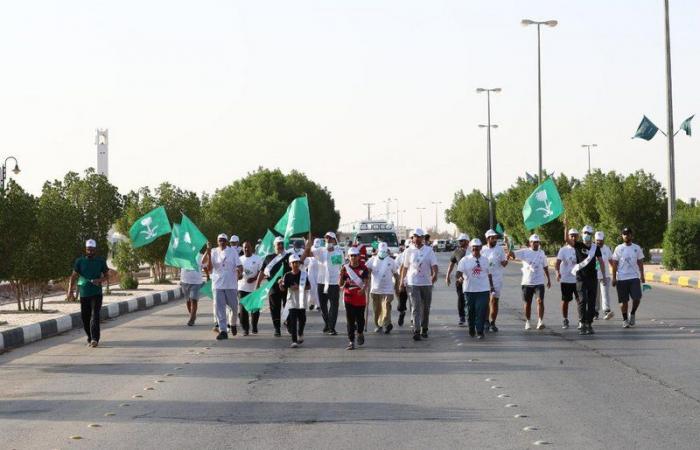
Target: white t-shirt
606, 253
627, 257
495, 256
419, 262
534, 263
386, 268
251, 269
567, 256
475, 272
188, 276
329, 264
225, 264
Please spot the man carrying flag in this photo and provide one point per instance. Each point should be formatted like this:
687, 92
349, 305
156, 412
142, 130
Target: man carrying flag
587, 278
534, 271
226, 269
252, 264
191, 283
271, 265
497, 259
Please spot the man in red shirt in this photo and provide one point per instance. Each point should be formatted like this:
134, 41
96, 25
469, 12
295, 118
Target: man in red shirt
354, 279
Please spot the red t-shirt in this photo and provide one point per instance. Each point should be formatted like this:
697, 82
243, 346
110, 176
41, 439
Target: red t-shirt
353, 294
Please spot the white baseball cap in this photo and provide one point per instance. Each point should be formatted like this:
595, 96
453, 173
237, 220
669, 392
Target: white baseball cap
418, 232
277, 240
534, 238
573, 231
383, 247
588, 229
90, 243
222, 236
294, 258
318, 242
234, 238
331, 235
353, 251
490, 233
463, 237
476, 242
599, 236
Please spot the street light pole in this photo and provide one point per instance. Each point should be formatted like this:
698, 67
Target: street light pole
420, 211
489, 185
549, 23
436, 215
669, 120
397, 212
588, 146
3, 171
369, 210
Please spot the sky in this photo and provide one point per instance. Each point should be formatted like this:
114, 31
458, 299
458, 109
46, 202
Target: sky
373, 99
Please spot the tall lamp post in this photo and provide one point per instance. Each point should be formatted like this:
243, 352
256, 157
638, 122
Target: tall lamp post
437, 204
3, 171
369, 210
588, 146
488, 126
669, 120
549, 23
420, 212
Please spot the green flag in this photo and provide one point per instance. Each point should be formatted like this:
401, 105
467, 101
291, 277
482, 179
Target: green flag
171, 258
205, 290
267, 245
149, 227
499, 229
646, 130
543, 205
191, 240
685, 126
254, 301
296, 220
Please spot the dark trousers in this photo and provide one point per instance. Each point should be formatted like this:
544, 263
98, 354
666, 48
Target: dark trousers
276, 302
296, 321
478, 308
330, 315
403, 300
355, 316
246, 316
587, 292
90, 312
461, 305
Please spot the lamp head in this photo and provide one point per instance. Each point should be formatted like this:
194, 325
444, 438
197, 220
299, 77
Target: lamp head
526, 22
480, 90
551, 23
16, 169
496, 90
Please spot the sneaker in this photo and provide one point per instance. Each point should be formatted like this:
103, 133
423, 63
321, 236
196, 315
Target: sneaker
278, 333
461, 322
388, 328
590, 329
300, 339
221, 336
190, 322
565, 324
294, 345
608, 315
583, 330
245, 333
580, 325
595, 315
540, 324
378, 330
632, 321
472, 332
311, 307
480, 335
401, 317
234, 330
527, 325
333, 333
361, 339
255, 330
215, 329
326, 330
416, 336
493, 327
351, 346
424, 333
93, 344
625, 324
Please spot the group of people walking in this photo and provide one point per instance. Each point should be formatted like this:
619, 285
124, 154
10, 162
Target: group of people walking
316, 275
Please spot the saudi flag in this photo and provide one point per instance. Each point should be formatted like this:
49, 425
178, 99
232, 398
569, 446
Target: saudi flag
267, 244
543, 205
254, 301
499, 229
685, 126
296, 220
171, 257
206, 291
149, 227
646, 130
191, 240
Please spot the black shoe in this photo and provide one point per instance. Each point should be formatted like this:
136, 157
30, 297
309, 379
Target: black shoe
311, 307
416, 336
234, 330
361, 339
278, 333
333, 333
472, 332
221, 336
388, 329
401, 316
480, 335
493, 327
424, 333
351, 346
245, 333
326, 330
190, 323
255, 330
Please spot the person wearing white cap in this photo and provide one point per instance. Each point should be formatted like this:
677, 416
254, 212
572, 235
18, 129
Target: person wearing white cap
91, 272
296, 284
235, 244
383, 269
401, 292
457, 255
252, 265
477, 281
353, 279
587, 278
330, 259
226, 269
312, 268
534, 272
603, 294
420, 270
566, 260
271, 266
497, 259
628, 276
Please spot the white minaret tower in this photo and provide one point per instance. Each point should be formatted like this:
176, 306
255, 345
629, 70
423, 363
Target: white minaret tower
102, 143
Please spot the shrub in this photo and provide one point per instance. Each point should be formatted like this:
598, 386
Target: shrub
682, 241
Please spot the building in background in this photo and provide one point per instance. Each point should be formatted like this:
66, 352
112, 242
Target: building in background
102, 143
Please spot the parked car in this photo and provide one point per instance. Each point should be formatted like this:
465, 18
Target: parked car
440, 245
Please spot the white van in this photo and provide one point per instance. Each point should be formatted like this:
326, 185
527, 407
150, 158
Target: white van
378, 231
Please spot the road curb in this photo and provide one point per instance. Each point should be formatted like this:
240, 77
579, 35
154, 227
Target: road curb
19, 336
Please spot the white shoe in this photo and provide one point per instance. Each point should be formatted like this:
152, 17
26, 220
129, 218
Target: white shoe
609, 315
580, 325
527, 325
294, 345
625, 324
540, 324
632, 321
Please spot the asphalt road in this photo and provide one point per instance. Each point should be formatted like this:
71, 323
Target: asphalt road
635, 388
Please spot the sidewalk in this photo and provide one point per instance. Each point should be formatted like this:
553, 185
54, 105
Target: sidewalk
655, 273
60, 316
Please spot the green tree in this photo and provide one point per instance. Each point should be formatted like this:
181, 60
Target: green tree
682, 240
127, 262
470, 213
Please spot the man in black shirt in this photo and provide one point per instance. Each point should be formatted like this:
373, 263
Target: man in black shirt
459, 252
587, 278
271, 265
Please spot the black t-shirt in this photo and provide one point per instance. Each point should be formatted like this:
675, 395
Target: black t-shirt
290, 279
588, 272
284, 263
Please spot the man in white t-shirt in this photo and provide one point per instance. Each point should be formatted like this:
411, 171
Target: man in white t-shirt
252, 264
383, 269
497, 259
312, 269
191, 282
628, 276
330, 259
420, 271
226, 269
534, 272
476, 278
566, 260
603, 298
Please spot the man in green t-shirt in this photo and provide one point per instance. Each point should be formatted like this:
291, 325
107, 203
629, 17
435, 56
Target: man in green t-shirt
90, 271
